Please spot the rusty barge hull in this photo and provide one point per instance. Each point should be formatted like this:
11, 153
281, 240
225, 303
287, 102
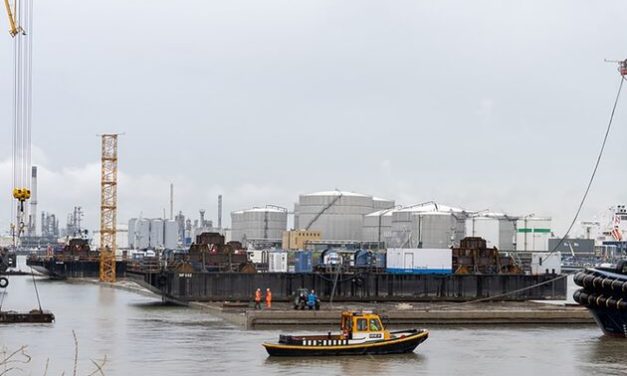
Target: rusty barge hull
365, 287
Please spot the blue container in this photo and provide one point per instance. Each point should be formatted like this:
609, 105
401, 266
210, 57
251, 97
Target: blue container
379, 260
303, 262
362, 258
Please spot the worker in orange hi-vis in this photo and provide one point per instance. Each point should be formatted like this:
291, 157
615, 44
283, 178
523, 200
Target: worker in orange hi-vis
268, 298
258, 299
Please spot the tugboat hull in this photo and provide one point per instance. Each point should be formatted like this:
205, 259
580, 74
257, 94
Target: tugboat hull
393, 346
612, 322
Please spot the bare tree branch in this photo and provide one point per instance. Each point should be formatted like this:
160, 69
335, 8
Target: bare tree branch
75, 353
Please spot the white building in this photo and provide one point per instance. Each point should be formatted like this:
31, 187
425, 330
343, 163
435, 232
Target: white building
532, 234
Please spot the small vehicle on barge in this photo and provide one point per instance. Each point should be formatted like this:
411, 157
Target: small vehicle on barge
361, 333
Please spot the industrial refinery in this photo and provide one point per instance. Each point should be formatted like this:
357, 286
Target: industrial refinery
367, 176
342, 217
349, 219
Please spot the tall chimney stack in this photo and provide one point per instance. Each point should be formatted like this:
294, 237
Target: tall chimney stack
220, 212
171, 201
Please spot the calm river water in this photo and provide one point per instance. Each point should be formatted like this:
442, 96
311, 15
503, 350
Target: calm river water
139, 336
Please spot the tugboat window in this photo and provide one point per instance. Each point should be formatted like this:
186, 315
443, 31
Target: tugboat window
375, 325
362, 325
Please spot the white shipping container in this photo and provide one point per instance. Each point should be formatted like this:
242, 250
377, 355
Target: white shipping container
546, 263
277, 262
419, 260
256, 256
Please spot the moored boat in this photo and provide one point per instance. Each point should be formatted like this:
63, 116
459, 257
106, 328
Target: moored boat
33, 316
604, 293
361, 333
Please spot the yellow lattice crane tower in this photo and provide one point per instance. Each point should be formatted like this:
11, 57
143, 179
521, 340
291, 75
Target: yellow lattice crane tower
108, 206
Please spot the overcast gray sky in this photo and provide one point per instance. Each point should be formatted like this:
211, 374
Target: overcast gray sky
482, 104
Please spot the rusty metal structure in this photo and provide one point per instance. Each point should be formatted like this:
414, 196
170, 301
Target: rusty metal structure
108, 206
210, 253
473, 257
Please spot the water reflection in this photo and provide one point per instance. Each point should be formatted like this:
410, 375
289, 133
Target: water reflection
603, 355
349, 365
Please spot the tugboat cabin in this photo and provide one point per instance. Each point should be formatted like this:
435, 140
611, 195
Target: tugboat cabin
362, 326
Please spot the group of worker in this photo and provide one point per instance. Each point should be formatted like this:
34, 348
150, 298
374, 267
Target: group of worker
309, 300
258, 299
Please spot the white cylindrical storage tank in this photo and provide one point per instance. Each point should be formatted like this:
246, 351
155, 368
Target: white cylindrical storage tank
377, 226
297, 225
437, 230
156, 233
379, 203
142, 234
428, 226
265, 224
132, 224
485, 227
402, 229
507, 234
496, 228
171, 235
122, 237
237, 225
337, 215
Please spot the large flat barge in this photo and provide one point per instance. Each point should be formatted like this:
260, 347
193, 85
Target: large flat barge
365, 287
213, 270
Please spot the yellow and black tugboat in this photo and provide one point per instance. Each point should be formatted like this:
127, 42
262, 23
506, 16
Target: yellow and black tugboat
362, 333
